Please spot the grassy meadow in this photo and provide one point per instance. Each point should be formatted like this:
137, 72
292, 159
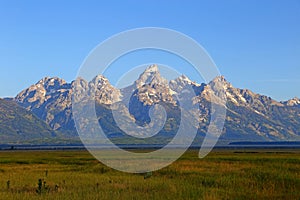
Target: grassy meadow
221, 175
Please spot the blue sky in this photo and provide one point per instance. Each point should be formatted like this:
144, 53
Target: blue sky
255, 44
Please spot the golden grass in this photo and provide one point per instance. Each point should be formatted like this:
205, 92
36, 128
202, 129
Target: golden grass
221, 175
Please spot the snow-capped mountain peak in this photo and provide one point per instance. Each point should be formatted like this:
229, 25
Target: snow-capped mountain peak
150, 76
249, 113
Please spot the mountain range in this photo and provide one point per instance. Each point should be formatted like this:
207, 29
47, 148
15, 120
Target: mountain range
44, 110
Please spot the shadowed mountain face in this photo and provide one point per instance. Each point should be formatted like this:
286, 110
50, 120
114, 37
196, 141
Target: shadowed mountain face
19, 125
250, 116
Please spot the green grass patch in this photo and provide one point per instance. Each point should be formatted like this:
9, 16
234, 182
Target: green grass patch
221, 175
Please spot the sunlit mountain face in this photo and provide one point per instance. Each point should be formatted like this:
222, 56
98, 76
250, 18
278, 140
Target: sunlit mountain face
250, 116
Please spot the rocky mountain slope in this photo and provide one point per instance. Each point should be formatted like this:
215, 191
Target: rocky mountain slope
19, 125
250, 116
50, 100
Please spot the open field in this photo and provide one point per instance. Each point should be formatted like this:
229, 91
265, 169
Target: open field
227, 174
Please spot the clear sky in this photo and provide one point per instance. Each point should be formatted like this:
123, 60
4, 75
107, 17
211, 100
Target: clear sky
255, 44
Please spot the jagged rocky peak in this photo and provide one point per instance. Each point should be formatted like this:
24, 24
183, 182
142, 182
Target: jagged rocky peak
292, 102
183, 83
152, 69
220, 81
79, 83
243, 97
99, 88
149, 88
48, 99
150, 76
103, 91
182, 80
99, 80
38, 92
51, 81
80, 89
